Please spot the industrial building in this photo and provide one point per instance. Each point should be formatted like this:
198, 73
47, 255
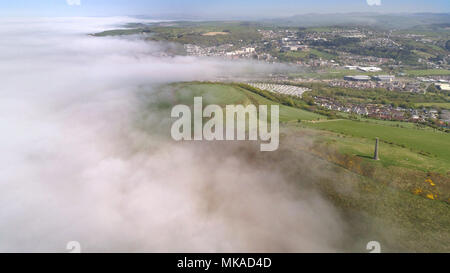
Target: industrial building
443, 87
370, 69
357, 78
384, 78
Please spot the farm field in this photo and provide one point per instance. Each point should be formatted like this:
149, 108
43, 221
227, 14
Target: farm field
398, 124
427, 72
333, 74
443, 105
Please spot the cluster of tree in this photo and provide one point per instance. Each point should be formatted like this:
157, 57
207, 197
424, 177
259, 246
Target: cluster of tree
432, 89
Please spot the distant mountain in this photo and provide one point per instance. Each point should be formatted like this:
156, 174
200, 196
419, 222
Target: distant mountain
398, 21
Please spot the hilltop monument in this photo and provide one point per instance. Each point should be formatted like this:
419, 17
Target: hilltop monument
376, 156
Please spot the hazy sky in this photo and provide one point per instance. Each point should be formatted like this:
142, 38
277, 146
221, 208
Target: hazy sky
212, 8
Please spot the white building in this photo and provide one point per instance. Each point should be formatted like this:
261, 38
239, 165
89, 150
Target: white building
370, 69
384, 78
351, 67
444, 87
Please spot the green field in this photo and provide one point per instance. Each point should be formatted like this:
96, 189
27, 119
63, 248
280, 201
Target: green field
443, 105
433, 144
427, 72
222, 94
397, 124
333, 74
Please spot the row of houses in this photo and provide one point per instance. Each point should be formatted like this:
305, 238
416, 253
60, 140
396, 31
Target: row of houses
386, 112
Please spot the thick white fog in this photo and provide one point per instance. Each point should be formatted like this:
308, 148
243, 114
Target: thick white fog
74, 167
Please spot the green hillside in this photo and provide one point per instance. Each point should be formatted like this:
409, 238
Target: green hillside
401, 200
435, 144
223, 94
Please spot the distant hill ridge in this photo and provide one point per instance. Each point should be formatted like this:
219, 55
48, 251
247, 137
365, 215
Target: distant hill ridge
399, 21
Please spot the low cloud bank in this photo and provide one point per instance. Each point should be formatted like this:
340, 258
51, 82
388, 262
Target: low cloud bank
75, 167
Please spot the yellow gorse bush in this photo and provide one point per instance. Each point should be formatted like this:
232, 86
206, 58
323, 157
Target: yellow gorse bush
429, 181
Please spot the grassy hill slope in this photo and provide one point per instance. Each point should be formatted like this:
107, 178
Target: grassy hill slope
401, 200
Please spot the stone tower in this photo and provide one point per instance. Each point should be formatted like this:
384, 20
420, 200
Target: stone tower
376, 156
